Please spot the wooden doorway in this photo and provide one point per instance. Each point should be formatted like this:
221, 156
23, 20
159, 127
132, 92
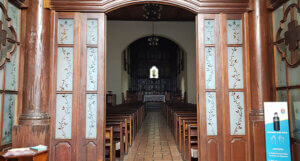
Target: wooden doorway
78, 86
223, 94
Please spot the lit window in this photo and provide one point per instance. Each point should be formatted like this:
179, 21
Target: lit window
154, 72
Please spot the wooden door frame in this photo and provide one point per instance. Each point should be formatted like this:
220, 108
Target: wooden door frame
188, 5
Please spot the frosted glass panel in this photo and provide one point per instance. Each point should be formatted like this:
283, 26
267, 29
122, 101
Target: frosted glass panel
294, 76
1, 79
210, 68
64, 69
211, 113
235, 67
234, 32
65, 31
13, 13
280, 71
63, 123
295, 103
92, 31
91, 69
237, 113
10, 103
91, 116
282, 96
278, 16
209, 30
12, 72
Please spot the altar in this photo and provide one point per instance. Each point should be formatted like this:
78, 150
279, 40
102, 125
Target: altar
154, 98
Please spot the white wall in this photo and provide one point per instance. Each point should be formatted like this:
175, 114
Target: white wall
120, 34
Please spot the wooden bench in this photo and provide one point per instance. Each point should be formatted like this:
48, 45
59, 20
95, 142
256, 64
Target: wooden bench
109, 144
192, 141
125, 120
118, 136
185, 136
182, 121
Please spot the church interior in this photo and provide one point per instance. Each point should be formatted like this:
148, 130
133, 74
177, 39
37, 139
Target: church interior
136, 80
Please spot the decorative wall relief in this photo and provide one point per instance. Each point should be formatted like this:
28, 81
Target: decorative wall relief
63, 123
91, 116
64, 69
91, 84
65, 31
235, 68
290, 38
209, 31
237, 113
8, 117
8, 34
210, 77
211, 113
234, 32
92, 31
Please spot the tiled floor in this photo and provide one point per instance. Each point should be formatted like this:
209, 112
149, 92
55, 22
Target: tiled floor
154, 141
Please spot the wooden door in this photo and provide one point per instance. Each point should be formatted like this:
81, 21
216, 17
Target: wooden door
223, 87
78, 87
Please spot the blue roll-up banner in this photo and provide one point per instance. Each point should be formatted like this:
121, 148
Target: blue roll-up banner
277, 131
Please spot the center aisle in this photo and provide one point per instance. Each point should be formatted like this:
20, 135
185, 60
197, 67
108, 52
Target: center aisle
154, 141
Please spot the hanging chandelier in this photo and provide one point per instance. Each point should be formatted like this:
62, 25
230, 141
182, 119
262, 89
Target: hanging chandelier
153, 40
152, 13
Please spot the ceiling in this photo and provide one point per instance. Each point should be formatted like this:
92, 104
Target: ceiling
136, 12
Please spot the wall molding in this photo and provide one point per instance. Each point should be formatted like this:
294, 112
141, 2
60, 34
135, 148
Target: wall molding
201, 6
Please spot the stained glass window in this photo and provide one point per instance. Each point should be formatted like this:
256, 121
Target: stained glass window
154, 72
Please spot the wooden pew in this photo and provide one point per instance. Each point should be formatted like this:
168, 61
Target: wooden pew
177, 124
125, 130
118, 136
192, 141
109, 144
185, 142
125, 120
181, 131
182, 120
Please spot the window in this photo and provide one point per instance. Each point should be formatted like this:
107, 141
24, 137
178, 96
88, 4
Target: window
154, 72
287, 71
9, 71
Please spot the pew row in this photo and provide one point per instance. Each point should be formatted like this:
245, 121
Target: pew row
182, 121
122, 124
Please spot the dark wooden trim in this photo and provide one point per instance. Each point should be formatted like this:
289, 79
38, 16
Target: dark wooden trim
288, 87
204, 6
5, 147
19, 3
274, 4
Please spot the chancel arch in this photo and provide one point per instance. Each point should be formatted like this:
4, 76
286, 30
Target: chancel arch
155, 69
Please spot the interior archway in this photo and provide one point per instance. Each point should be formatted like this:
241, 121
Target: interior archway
168, 60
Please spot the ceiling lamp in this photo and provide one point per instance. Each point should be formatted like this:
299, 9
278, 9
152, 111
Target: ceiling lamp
153, 40
152, 11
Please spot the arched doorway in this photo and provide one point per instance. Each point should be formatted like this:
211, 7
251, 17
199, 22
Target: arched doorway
160, 69
223, 91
